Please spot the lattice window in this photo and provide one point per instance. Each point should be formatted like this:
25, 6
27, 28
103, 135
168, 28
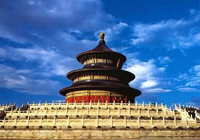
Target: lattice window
92, 61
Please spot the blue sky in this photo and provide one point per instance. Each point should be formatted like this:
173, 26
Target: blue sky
39, 41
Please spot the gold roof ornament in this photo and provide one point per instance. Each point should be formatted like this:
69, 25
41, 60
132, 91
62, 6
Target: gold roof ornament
102, 36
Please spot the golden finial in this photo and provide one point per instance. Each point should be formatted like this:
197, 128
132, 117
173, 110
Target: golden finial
102, 36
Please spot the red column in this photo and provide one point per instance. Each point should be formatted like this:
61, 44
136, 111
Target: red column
88, 98
108, 99
126, 99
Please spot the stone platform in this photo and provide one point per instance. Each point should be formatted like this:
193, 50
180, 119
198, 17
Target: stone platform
99, 134
98, 121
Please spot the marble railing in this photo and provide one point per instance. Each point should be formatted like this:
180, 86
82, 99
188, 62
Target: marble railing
184, 114
97, 105
5, 107
92, 112
197, 115
96, 122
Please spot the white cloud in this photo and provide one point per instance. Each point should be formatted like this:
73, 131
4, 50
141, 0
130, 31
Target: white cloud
193, 76
2, 52
158, 90
55, 32
143, 70
51, 24
164, 59
112, 32
149, 83
172, 34
191, 80
48, 60
140, 68
148, 75
20, 80
188, 89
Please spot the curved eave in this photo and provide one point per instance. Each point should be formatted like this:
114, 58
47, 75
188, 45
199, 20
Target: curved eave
82, 56
128, 91
119, 73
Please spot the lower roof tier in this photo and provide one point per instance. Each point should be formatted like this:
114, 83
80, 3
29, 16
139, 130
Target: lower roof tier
107, 86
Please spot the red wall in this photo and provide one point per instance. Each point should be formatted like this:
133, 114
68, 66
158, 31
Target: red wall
101, 99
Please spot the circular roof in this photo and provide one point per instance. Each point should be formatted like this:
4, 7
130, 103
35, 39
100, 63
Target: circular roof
100, 48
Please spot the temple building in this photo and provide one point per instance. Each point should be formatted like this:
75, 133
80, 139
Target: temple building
101, 78
99, 105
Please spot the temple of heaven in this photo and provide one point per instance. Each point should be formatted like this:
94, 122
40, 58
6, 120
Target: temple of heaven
99, 105
101, 79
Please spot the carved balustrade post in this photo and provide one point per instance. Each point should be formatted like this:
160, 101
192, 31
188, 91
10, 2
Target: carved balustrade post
19, 111
139, 125
156, 106
175, 122
83, 123
186, 123
175, 106
54, 121
97, 111
122, 104
76, 112
164, 122
114, 105
4, 121
39, 104
149, 113
90, 104
149, 105
143, 105
46, 104
97, 121
36, 112
151, 122
129, 112
68, 122
28, 121
136, 105
15, 123
157, 112
75, 106
106, 104
82, 104
108, 112
33, 104
60, 104
87, 111
56, 112
111, 122
53, 104
129, 105
139, 112
66, 111
125, 122
41, 120
119, 112
67, 104
161, 106
98, 104
196, 123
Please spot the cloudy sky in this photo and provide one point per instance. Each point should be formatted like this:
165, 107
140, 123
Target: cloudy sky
39, 41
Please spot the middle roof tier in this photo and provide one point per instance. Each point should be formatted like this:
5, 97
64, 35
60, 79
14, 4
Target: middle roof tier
122, 75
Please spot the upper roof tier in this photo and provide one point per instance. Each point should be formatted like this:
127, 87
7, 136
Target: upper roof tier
101, 51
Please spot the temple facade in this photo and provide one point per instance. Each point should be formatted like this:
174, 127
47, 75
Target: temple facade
101, 78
